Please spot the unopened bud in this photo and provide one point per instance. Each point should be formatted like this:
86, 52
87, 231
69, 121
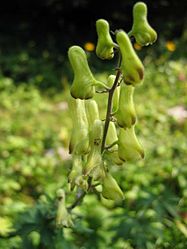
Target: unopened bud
104, 49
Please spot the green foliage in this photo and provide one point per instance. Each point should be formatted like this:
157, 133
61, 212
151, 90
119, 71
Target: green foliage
34, 127
34, 66
34, 162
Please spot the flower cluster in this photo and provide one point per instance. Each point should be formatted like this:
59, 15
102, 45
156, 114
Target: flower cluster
95, 144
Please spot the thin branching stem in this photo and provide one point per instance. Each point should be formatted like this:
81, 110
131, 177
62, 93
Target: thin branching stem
111, 145
81, 196
77, 201
109, 105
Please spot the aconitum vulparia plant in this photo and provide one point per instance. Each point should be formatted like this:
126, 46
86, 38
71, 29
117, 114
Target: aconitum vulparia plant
97, 144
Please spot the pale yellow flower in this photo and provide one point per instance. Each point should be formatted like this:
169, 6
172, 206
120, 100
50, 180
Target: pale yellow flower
137, 46
89, 46
170, 45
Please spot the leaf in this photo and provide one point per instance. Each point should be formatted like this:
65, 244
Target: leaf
182, 227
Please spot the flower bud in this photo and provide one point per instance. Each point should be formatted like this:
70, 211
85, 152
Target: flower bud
112, 136
94, 159
97, 133
82, 182
104, 49
129, 148
92, 112
109, 204
111, 189
126, 115
144, 34
84, 81
111, 154
131, 66
63, 218
75, 175
112, 158
79, 143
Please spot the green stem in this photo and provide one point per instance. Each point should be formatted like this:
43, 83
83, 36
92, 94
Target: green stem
109, 105
111, 145
77, 201
80, 198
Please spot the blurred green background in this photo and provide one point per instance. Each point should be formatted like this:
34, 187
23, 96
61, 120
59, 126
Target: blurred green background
35, 127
